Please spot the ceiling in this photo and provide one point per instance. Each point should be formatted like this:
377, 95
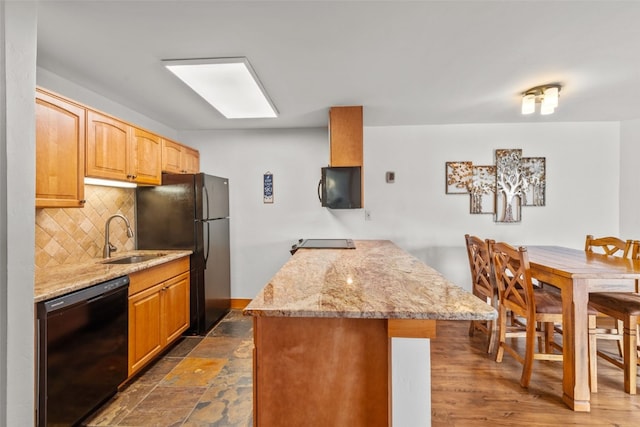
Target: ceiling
407, 63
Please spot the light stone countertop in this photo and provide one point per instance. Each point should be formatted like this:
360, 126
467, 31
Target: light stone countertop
63, 279
377, 280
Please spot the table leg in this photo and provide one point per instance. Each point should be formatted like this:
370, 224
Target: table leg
575, 381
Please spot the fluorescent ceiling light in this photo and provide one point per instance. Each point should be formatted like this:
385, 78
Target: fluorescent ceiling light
109, 183
229, 84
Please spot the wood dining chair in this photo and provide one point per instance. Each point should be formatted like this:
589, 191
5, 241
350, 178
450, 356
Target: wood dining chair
482, 285
516, 293
609, 246
625, 308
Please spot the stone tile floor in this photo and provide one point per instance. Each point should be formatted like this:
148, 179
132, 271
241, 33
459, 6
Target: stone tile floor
201, 381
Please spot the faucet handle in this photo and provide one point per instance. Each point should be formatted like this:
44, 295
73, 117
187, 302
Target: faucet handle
112, 248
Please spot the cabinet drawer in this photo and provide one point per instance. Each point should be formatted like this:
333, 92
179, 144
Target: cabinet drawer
141, 280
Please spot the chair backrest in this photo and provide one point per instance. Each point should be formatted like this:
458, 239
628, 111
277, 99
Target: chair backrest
513, 278
635, 249
482, 279
609, 246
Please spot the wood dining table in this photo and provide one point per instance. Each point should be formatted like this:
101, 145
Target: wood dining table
577, 273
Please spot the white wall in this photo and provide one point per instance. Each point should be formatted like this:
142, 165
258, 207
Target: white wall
18, 58
421, 218
629, 184
414, 212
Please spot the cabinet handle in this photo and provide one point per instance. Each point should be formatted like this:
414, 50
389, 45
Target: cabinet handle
82, 202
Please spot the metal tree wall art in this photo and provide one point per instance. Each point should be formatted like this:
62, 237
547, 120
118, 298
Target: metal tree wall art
483, 189
514, 181
509, 185
458, 177
533, 170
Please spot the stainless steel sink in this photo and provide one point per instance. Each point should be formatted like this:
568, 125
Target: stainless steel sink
133, 259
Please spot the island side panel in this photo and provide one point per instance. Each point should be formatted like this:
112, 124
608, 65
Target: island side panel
321, 372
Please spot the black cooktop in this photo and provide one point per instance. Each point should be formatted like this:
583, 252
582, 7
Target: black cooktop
323, 244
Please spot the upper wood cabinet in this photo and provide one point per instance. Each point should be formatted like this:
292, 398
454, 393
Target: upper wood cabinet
178, 158
345, 136
346, 140
107, 147
74, 141
60, 144
191, 159
119, 151
146, 154
171, 156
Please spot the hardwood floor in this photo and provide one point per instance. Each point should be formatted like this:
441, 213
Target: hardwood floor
470, 389
206, 381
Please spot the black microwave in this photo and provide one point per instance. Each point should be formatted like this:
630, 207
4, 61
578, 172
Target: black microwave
341, 187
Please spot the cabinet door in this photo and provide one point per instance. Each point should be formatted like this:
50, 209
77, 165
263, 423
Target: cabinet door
145, 157
191, 160
171, 156
60, 140
145, 335
107, 147
346, 136
175, 306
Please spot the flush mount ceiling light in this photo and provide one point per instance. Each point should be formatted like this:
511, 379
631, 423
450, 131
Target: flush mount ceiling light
229, 84
546, 95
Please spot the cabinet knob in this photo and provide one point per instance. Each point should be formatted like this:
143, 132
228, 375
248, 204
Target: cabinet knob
82, 202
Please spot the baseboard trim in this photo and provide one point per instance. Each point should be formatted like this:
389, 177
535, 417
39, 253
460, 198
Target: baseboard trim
239, 303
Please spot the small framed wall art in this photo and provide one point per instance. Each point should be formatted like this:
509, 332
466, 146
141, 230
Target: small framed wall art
458, 177
267, 184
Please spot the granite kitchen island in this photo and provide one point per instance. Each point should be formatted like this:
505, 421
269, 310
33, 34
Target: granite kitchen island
331, 324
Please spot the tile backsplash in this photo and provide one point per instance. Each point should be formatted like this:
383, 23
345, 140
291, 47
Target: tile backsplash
72, 235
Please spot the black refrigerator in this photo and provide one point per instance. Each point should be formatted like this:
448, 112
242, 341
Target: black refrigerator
191, 211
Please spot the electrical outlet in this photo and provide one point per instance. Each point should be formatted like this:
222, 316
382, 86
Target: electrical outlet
367, 215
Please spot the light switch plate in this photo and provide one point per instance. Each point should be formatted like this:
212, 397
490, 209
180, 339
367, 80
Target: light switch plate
390, 177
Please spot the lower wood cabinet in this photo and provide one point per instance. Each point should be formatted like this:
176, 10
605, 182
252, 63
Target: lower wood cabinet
158, 310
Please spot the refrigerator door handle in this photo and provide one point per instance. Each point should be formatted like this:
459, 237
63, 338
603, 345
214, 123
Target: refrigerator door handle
206, 244
206, 201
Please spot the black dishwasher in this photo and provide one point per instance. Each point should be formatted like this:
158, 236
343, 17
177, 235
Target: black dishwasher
82, 348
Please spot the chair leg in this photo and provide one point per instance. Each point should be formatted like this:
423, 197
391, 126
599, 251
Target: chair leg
630, 354
548, 337
491, 326
541, 341
620, 329
527, 366
502, 332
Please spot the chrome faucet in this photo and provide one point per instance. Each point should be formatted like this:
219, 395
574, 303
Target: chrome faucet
108, 247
